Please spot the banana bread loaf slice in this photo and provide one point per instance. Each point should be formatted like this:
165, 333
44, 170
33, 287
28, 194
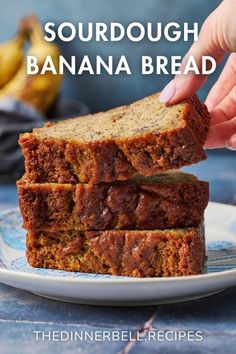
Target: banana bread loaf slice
167, 200
143, 138
154, 253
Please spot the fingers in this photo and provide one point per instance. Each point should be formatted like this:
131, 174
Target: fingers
207, 45
221, 101
181, 87
224, 84
226, 109
232, 143
220, 135
187, 85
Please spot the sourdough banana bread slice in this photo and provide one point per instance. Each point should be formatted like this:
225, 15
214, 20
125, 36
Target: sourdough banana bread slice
167, 200
154, 253
143, 138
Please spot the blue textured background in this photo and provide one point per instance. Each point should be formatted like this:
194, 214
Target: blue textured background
101, 92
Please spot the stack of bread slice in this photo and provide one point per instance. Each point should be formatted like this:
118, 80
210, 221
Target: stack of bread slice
101, 193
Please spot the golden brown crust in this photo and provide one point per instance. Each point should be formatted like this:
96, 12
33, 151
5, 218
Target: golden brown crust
129, 253
172, 200
48, 159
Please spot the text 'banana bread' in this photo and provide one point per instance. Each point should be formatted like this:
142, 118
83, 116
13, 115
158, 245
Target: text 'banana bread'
154, 253
143, 138
167, 200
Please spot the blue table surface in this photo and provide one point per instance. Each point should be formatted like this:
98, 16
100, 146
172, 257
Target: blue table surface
22, 313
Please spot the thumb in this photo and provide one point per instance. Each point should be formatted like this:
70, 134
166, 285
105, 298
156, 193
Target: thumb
185, 85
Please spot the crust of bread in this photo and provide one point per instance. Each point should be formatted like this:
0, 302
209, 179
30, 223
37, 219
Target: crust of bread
128, 253
63, 159
171, 200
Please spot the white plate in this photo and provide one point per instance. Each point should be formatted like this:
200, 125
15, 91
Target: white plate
96, 289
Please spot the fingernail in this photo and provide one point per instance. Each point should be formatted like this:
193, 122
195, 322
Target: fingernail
168, 92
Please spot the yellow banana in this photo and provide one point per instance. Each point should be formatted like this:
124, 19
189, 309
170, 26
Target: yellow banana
36, 90
11, 58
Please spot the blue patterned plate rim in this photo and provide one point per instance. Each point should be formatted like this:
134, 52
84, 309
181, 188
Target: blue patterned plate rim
116, 279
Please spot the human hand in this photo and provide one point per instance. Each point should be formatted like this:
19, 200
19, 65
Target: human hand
217, 37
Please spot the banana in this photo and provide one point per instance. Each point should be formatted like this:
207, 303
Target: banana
11, 58
36, 90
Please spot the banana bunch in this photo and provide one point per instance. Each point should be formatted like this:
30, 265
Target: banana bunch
39, 91
11, 58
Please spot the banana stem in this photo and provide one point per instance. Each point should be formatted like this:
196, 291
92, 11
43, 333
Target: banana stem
32, 26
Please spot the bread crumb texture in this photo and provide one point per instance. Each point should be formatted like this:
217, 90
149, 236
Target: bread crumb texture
154, 253
168, 200
143, 138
